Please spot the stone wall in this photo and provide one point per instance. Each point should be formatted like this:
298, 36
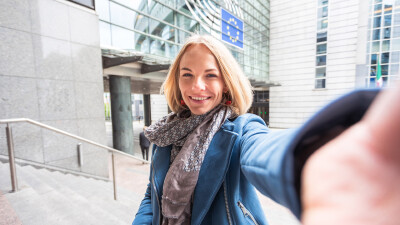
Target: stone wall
51, 72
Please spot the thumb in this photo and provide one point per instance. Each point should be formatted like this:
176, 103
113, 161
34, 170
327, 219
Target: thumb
383, 120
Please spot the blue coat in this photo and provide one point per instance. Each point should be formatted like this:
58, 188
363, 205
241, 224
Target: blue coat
244, 155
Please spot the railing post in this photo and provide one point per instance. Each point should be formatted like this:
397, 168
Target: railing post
11, 158
80, 157
114, 180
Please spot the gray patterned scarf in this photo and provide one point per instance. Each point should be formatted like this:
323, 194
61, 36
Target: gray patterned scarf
190, 136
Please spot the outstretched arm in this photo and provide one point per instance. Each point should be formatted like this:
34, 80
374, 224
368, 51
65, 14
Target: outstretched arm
355, 178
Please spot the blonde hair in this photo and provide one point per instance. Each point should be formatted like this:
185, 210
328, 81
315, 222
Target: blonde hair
239, 87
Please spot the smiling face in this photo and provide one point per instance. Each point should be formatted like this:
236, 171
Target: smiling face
200, 80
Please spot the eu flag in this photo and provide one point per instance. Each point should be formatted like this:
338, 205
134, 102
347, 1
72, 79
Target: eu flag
231, 29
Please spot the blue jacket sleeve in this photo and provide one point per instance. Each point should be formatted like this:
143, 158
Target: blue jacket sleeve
272, 161
145, 212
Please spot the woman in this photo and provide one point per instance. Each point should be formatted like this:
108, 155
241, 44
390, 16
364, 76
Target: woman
209, 155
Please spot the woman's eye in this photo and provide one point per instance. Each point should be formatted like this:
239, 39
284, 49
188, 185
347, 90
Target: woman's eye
211, 75
186, 75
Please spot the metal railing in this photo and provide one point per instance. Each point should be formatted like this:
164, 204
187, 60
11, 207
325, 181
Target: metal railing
11, 157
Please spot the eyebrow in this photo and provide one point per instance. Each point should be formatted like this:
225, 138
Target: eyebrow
207, 70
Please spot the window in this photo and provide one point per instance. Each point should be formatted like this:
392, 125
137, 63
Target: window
377, 21
321, 60
321, 37
384, 41
86, 3
321, 44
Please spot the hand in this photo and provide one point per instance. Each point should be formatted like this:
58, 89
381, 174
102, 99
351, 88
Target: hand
355, 178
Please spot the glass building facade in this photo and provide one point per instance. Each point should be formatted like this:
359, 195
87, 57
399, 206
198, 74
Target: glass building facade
156, 29
383, 41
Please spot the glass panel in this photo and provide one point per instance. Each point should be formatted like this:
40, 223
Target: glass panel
87, 3
168, 33
386, 33
376, 34
395, 57
375, 46
185, 22
161, 30
103, 9
373, 71
320, 72
396, 20
377, 21
322, 12
323, 24
157, 47
320, 83
396, 32
171, 50
385, 70
388, 9
122, 16
378, 1
378, 9
385, 57
385, 81
141, 23
321, 37
321, 60
321, 49
397, 8
385, 46
105, 33
161, 12
122, 38
322, 2
368, 47
395, 44
372, 82
388, 21
394, 69
182, 36
141, 43
373, 58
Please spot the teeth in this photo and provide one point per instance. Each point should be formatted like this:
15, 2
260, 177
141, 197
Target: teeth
199, 98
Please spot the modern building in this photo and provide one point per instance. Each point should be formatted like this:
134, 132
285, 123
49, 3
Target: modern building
61, 60
320, 49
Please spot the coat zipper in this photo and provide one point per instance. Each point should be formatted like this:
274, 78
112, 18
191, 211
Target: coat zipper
155, 188
226, 206
246, 212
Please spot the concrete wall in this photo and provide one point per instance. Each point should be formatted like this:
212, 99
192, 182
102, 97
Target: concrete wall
50, 71
293, 52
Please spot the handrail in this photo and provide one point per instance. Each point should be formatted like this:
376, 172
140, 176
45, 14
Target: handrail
11, 149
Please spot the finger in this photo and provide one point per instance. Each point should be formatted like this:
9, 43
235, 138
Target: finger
383, 118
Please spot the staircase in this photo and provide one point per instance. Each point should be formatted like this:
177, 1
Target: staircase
51, 197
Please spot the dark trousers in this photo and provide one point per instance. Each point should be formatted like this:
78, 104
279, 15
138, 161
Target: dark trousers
145, 151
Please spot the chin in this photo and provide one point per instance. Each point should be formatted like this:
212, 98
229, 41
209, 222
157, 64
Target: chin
199, 111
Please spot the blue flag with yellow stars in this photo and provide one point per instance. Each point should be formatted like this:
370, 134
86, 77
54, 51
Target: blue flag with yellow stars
232, 29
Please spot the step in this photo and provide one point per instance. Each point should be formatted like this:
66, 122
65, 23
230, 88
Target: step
59, 207
99, 193
102, 215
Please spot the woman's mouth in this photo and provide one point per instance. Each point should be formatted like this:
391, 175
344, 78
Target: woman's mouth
198, 99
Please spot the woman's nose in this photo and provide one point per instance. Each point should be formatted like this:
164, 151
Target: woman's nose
199, 84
